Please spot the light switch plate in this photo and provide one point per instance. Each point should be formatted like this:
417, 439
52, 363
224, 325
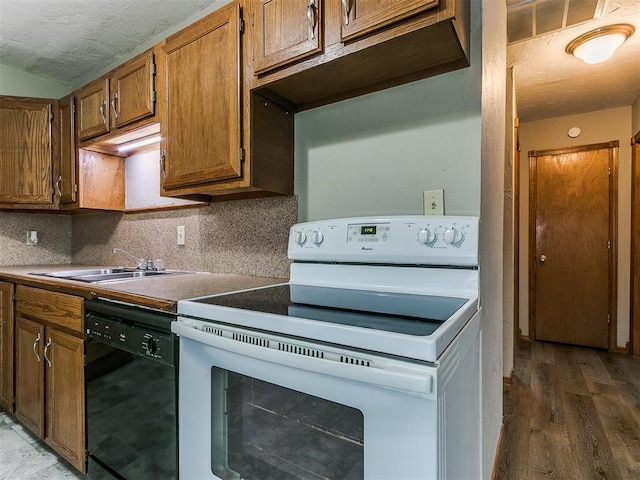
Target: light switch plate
434, 202
181, 235
32, 237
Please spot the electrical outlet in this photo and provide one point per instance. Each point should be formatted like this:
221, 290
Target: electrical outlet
181, 235
434, 202
32, 237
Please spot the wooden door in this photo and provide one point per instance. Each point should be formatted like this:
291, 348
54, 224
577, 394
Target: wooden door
286, 31
361, 17
64, 363
66, 184
29, 378
6, 345
572, 244
201, 127
635, 245
93, 109
132, 91
26, 150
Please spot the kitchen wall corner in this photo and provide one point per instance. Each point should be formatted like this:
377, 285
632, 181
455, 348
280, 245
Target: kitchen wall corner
245, 237
54, 239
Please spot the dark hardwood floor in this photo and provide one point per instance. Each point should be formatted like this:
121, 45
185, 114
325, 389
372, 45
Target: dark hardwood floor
571, 413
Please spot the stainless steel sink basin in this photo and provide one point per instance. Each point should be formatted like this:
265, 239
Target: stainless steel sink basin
93, 275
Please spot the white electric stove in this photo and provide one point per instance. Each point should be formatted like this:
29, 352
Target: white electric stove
378, 325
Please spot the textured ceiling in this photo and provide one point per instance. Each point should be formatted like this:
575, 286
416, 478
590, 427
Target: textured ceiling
551, 83
67, 40
73, 41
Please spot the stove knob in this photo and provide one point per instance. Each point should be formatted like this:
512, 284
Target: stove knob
427, 237
318, 237
300, 238
151, 346
453, 236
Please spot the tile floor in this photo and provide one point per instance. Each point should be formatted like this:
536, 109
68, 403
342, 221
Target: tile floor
25, 457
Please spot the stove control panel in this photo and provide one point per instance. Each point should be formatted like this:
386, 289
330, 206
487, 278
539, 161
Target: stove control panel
413, 239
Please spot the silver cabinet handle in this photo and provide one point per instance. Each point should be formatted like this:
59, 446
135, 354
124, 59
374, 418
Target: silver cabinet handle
34, 347
543, 258
114, 100
102, 113
345, 9
58, 191
163, 155
311, 18
46, 347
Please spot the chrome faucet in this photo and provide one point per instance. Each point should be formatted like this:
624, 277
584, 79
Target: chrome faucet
142, 263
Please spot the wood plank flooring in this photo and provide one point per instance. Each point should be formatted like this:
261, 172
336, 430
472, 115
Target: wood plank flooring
571, 413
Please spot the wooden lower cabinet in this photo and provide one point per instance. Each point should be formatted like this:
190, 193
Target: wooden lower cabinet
6, 345
49, 370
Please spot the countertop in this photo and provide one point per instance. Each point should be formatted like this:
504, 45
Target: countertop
155, 292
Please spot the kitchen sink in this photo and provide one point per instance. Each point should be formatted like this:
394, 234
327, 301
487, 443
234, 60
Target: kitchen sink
93, 275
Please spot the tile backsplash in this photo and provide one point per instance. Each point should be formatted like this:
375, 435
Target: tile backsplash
54, 238
245, 237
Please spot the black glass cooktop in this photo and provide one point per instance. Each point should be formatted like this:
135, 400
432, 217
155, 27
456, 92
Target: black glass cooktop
394, 312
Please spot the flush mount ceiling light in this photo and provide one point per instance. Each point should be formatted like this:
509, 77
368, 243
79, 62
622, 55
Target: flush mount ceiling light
599, 44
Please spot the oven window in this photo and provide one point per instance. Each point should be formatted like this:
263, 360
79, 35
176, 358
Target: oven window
270, 432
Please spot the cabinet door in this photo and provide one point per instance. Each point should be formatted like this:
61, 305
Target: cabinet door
93, 109
132, 92
286, 31
64, 360
66, 184
26, 157
201, 127
6, 345
361, 17
30, 374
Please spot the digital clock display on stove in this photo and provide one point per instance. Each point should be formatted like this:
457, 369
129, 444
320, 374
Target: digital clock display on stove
368, 230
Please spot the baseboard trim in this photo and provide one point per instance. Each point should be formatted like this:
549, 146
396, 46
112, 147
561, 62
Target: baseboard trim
498, 456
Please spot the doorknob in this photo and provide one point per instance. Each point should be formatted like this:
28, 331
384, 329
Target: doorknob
543, 258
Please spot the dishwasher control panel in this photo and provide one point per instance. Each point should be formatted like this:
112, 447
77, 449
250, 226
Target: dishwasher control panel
132, 338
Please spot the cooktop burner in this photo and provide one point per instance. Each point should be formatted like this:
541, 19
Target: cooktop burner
402, 313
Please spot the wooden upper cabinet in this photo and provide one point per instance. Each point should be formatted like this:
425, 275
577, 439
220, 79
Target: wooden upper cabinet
132, 91
26, 150
287, 31
360, 17
122, 97
93, 109
201, 124
66, 183
363, 46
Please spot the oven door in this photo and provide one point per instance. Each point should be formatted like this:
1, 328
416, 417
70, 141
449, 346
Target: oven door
255, 413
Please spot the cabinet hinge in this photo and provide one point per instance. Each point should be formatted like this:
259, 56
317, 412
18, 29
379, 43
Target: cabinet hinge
154, 96
13, 297
241, 26
608, 318
609, 171
75, 188
241, 154
153, 69
50, 113
609, 244
73, 108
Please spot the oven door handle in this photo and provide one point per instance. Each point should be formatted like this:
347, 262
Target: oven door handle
418, 383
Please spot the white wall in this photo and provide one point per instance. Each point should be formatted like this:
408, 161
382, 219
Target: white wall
377, 153
21, 84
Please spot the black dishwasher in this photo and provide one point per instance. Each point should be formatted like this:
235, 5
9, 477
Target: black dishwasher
131, 386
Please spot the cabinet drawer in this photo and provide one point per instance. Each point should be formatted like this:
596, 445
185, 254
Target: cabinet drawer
50, 307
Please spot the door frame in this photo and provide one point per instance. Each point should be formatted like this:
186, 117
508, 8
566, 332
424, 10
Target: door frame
634, 337
613, 231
